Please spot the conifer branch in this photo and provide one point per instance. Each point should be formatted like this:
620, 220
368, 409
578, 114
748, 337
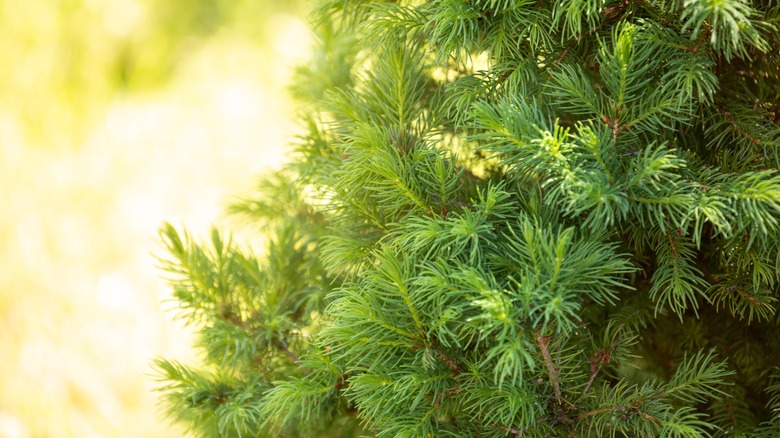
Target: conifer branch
482, 182
544, 342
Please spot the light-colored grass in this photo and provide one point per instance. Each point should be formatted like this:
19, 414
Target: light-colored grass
80, 312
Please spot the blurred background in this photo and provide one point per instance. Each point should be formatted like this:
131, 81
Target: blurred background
117, 115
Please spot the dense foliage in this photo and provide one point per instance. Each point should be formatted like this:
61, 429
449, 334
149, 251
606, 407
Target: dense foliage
506, 218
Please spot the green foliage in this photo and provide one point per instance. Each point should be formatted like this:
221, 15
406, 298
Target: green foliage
506, 218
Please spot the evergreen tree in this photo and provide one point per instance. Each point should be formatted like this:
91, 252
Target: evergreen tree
506, 218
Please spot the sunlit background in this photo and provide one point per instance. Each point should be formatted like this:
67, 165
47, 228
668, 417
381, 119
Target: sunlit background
117, 115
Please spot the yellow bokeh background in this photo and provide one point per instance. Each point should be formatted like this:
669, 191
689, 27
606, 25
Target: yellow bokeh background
117, 115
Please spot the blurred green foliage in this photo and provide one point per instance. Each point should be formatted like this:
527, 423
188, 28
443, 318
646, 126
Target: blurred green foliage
64, 60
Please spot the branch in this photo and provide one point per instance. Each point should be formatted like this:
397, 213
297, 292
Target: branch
599, 359
512, 430
450, 363
228, 315
544, 342
621, 408
281, 345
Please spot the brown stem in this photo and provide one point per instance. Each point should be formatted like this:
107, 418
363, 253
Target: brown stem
673, 246
740, 131
620, 408
598, 360
544, 342
450, 363
281, 345
591, 380
517, 432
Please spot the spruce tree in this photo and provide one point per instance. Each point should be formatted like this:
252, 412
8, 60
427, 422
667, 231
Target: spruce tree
505, 218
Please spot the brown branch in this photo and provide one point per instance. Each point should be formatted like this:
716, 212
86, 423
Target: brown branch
450, 363
544, 342
282, 346
593, 373
739, 130
512, 430
672, 246
566, 50
443, 356
599, 359
230, 316
625, 409
616, 127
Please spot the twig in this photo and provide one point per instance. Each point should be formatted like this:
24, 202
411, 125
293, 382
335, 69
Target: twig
738, 129
544, 342
450, 363
516, 432
281, 345
596, 362
624, 409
